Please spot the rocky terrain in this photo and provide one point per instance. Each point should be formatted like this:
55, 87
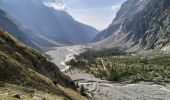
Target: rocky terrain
107, 90
139, 25
64, 54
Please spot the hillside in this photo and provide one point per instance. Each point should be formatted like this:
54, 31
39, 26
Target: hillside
36, 41
139, 25
23, 66
55, 25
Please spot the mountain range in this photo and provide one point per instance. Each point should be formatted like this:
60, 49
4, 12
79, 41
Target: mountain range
139, 25
44, 26
34, 40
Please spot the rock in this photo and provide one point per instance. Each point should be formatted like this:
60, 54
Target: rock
18, 96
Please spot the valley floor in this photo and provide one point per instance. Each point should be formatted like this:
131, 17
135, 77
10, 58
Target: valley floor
106, 90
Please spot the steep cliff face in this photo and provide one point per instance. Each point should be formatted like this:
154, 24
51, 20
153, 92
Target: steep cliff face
23, 66
56, 25
143, 24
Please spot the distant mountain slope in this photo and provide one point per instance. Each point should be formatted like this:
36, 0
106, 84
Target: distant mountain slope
53, 24
139, 24
22, 66
36, 41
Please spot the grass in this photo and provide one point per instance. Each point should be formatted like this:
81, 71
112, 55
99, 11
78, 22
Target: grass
8, 92
23, 66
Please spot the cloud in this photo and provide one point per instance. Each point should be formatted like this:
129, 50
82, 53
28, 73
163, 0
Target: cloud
115, 7
56, 4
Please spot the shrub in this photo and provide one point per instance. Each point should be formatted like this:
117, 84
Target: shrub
83, 91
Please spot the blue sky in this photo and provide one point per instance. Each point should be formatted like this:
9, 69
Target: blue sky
97, 13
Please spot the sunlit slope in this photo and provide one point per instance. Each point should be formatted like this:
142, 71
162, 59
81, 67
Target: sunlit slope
23, 66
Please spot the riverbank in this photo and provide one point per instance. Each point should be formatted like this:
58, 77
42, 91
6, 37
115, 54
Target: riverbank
106, 90
60, 55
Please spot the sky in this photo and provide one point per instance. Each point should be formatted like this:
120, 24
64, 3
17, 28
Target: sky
96, 13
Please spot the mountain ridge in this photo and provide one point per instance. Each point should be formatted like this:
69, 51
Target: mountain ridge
145, 27
27, 37
52, 24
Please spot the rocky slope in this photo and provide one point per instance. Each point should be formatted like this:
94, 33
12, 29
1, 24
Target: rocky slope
139, 24
56, 25
23, 66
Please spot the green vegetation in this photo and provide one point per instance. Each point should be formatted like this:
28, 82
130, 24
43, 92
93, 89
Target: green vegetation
124, 67
91, 53
23, 66
83, 91
14, 92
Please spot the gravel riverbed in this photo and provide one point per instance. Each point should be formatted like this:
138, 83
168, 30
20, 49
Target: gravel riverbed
106, 90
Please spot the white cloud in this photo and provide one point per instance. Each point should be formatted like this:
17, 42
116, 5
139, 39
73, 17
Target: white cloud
56, 4
115, 7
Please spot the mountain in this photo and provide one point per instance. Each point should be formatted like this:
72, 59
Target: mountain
36, 41
139, 24
23, 66
55, 25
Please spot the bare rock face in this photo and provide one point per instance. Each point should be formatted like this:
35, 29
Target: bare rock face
142, 24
